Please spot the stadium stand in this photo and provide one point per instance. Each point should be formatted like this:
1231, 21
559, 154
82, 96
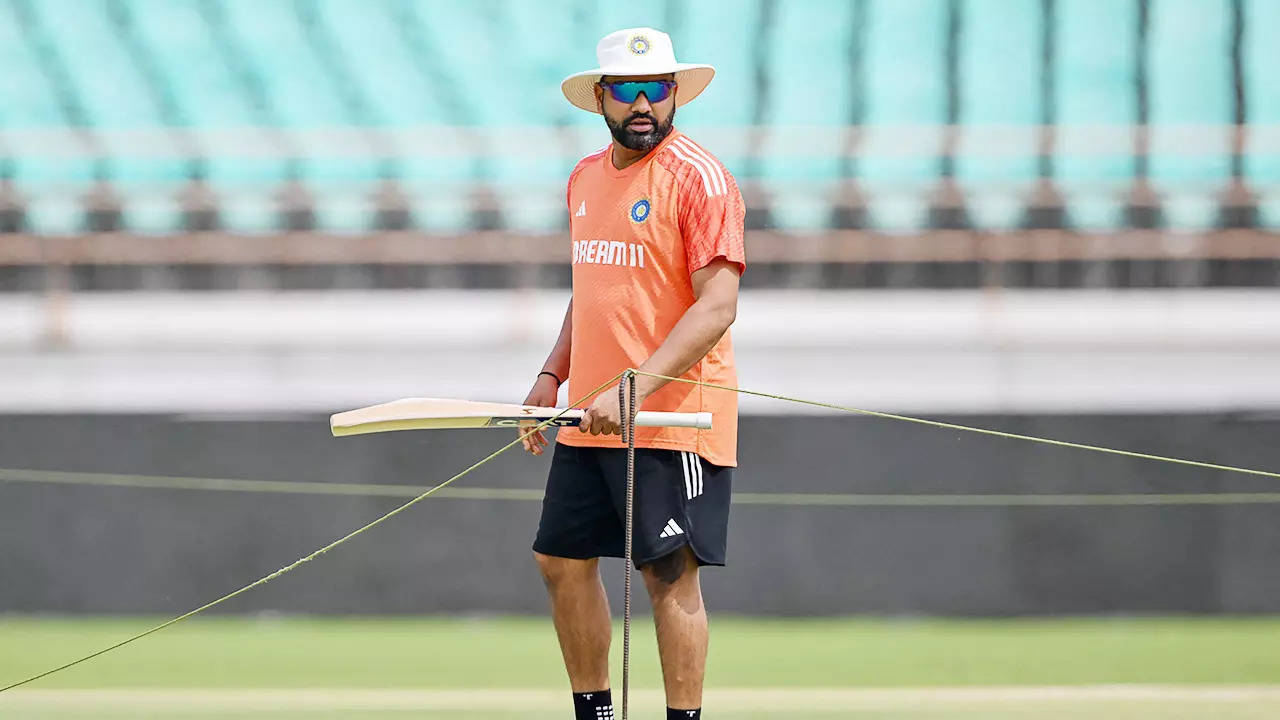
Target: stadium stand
897, 118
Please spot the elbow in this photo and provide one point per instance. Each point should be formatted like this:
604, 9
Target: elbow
723, 315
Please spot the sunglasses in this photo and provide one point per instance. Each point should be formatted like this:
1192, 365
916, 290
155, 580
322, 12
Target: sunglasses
627, 91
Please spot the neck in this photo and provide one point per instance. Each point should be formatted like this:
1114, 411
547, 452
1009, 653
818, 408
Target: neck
624, 157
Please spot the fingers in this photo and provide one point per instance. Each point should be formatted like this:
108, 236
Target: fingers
592, 421
599, 423
533, 442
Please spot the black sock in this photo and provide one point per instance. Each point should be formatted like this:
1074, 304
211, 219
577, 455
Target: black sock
596, 705
673, 714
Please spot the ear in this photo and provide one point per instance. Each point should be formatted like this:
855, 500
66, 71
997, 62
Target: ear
599, 98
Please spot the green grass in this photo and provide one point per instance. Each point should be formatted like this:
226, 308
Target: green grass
522, 652
236, 654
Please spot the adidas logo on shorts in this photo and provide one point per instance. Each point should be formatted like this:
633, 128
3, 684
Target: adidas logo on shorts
671, 530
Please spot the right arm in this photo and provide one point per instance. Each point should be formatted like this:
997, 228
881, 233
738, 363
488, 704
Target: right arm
545, 389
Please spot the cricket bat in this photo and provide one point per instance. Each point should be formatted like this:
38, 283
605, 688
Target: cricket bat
440, 413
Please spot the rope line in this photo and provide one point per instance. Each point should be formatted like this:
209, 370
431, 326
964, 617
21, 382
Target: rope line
303, 560
291, 487
970, 428
778, 499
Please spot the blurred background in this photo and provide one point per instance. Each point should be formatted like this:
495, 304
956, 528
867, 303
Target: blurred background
222, 220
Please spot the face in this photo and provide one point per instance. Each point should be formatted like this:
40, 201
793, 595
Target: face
643, 123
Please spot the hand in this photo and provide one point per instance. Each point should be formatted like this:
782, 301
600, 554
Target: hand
604, 417
543, 394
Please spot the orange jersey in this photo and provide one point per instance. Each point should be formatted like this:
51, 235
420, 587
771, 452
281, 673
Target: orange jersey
638, 235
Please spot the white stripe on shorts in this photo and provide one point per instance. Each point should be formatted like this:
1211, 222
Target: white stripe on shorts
688, 481
697, 462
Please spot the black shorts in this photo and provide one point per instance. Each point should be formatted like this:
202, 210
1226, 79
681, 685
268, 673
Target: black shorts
680, 499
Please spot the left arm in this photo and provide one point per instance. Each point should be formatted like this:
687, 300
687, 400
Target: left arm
715, 289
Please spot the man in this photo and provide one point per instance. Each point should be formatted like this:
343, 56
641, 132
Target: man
657, 230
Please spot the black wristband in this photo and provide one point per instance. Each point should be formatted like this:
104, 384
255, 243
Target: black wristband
559, 382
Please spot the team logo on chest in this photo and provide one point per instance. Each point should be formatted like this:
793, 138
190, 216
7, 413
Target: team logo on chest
640, 211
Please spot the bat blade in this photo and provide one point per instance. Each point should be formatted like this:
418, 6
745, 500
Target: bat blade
444, 413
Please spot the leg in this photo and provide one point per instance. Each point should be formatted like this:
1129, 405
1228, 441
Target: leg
580, 611
681, 623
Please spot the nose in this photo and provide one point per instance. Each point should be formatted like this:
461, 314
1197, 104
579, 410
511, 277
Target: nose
641, 105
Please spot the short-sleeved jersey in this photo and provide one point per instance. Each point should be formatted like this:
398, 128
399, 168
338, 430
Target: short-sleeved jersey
638, 235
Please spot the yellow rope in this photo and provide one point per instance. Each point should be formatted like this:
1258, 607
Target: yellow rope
302, 561
294, 487
968, 428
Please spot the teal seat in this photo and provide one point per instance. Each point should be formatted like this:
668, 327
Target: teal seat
721, 34
247, 209
344, 210
807, 117
996, 163
1261, 58
152, 213
419, 71
272, 39
1096, 108
55, 214
550, 50
905, 86
440, 208
179, 40
106, 79
29, 99
110, 90
1190, 86
373, 46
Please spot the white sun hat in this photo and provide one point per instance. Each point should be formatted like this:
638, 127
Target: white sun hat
636, 51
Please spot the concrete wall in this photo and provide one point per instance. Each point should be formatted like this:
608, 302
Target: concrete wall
94, 549
1015, 352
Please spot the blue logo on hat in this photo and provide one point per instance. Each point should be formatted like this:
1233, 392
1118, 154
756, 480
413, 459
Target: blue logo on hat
640, 211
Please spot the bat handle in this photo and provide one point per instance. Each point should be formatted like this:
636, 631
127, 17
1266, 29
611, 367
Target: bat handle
649, 418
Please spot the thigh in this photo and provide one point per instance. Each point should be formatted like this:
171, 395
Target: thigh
578, 517
680, 500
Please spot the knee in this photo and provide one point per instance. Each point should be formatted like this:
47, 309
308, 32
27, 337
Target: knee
559, 571
668, 571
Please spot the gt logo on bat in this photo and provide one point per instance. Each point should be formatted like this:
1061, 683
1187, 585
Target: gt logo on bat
515, 421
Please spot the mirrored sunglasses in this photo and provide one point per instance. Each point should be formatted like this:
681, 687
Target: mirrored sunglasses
626, 91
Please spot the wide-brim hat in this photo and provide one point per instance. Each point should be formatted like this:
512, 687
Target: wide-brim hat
637, 51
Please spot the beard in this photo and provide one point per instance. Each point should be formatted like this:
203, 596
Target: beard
645, 141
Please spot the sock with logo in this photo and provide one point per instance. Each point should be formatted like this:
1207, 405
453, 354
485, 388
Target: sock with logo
596, 705
673, 714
